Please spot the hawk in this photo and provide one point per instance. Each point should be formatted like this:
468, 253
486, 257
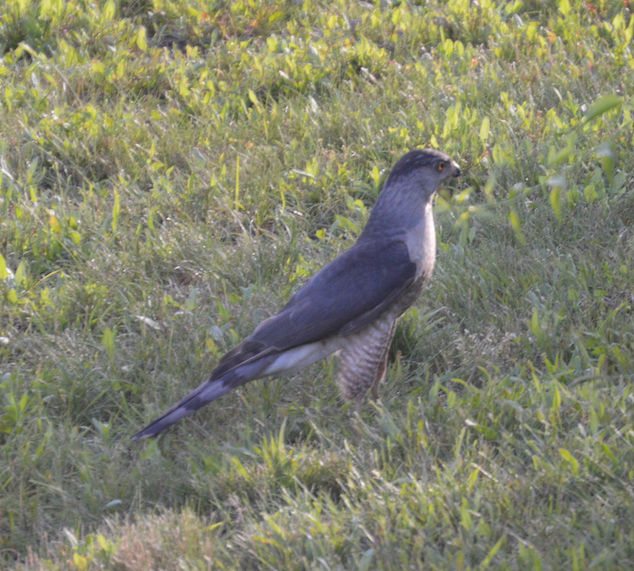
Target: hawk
351, 305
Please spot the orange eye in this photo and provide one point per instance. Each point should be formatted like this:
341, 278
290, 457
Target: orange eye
441, 166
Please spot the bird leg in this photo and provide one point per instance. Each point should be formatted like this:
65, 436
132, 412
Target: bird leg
382, 368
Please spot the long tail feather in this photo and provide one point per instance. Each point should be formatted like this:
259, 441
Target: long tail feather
204, 394
199, 397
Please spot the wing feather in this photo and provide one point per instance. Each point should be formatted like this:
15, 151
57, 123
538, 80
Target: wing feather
345, 296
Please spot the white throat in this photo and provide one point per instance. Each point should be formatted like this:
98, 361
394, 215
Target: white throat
421, 243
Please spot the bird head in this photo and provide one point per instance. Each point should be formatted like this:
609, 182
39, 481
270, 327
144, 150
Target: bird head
422, 169
408, 190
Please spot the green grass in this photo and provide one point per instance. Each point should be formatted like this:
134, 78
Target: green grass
171, 172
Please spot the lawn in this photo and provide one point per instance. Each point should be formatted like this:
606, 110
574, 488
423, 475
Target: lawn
172, 171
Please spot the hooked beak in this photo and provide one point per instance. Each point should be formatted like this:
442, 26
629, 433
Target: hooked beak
456, 169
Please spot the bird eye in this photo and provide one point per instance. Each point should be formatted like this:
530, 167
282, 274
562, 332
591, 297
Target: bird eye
441, 166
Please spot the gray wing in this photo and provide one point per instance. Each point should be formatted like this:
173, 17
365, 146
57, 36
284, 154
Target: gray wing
343, 297
347, 294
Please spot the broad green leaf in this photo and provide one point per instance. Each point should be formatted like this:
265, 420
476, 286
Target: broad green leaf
192, 301
98, 67
80, 561
3, 268
484, 130
489, 187
535, 327
564, 7
555, 201
107, 340
347, 224
141, 39
55, 225
275, 16
254, 99
602, 105
20, 274
240, 468
629, 31
568, 457
365, 561
559, 156
590, 193
109, 10
516, 225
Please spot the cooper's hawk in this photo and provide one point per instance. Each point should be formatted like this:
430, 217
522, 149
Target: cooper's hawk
351, 305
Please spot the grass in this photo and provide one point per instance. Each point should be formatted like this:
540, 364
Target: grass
171, 172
